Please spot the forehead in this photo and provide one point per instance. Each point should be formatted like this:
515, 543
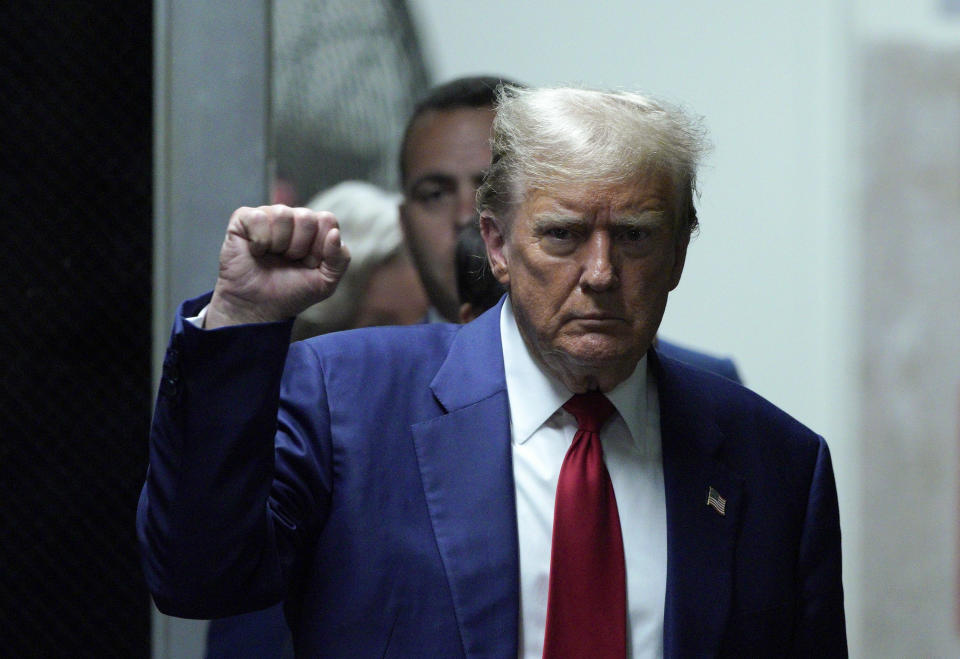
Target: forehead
454, 142
654, 192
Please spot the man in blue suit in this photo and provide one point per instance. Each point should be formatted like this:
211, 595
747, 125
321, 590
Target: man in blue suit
444, 154
395, 486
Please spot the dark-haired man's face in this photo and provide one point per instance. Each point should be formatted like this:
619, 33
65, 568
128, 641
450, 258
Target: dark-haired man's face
446, 155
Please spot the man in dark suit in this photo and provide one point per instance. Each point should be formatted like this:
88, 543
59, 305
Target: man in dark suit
541, 480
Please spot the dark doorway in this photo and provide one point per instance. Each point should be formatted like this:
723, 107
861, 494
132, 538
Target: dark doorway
75, 332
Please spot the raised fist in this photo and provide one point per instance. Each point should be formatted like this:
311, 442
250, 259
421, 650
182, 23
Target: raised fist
275, 262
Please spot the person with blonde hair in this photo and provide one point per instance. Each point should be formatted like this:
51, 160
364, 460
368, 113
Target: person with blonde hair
540, 482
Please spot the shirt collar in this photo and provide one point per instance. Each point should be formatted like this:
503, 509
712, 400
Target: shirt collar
536, 395
434, 316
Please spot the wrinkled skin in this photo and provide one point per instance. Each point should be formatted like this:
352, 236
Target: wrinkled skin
589, 271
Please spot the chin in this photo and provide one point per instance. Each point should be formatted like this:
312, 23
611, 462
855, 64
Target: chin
600, 354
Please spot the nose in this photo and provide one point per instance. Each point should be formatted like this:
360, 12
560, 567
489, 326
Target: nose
599, 269
467, 207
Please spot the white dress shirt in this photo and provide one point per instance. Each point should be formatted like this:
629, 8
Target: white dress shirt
541, 432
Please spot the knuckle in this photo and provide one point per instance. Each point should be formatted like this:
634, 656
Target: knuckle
257, 214
242, 213
304, 216
276, 213
328, 219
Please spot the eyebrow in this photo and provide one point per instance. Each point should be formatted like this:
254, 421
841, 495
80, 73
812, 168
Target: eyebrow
644, 218
557, 220
430, 177
443, 178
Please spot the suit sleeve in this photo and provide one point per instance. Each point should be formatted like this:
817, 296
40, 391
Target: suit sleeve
820, 624
233, 484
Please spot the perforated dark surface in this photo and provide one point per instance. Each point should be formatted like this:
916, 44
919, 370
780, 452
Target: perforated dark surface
75, 331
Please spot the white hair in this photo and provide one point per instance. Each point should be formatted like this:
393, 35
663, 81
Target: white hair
542, 137
369, 225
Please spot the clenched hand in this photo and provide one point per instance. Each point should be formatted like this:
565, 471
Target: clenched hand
275, 262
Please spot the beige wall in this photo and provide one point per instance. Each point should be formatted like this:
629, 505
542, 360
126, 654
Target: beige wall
910, 337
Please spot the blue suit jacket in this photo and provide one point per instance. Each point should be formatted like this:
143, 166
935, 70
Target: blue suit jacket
720, 365
377, 499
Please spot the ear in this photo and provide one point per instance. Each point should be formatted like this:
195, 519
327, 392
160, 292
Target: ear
465, 314
495, 238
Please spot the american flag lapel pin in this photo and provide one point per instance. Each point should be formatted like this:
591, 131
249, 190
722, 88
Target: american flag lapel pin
715, 501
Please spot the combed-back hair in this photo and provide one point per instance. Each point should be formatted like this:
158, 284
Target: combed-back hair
476, 92
549, 136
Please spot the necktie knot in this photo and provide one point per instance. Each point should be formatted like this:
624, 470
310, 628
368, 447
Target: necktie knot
591, 410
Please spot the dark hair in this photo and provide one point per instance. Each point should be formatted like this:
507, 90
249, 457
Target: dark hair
478, 92
475, 282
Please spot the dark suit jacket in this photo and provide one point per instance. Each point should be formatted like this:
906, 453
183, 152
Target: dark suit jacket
383, 511
720, 365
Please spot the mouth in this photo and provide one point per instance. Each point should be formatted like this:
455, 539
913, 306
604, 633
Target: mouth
598, 317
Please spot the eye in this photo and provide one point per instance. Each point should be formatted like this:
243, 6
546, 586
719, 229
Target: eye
428, 196
431, 193
559, 233
635, 235
559, 239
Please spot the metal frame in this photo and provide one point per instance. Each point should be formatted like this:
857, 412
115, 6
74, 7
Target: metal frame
211, 117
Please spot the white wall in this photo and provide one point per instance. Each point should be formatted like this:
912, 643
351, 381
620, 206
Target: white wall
771, 279
931, 22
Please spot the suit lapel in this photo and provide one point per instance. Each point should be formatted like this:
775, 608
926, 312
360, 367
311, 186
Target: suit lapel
700, 539
465, 464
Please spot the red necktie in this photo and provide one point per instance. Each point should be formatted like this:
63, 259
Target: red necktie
587, 600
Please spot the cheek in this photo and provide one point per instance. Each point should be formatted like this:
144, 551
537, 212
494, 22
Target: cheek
536, 268
431, 236
543, 300
646, 278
